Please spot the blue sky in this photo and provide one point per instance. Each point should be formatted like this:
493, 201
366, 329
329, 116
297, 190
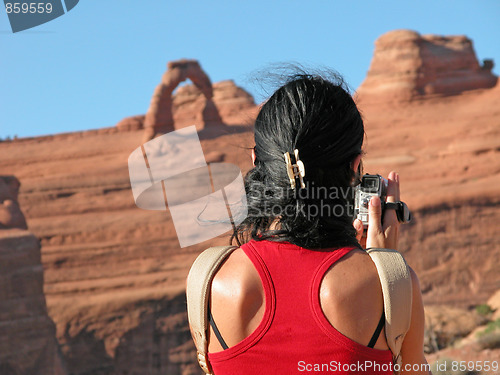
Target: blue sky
101, 61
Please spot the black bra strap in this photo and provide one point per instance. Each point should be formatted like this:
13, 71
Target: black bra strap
376, 334
216, 330
371, 344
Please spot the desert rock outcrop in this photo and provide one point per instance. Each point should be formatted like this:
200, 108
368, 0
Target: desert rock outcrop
445, 325
27, 334
159, 118
406, 65
10, 213
494, 303
229, 99
190, 107
131, 123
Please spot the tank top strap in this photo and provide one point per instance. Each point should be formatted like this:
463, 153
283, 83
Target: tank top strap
330, 260
261, 268
287, 271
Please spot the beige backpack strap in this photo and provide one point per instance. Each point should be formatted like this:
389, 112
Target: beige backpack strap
396, 284
198, 287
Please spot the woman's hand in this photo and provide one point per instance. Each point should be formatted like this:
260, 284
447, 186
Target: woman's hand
386, 234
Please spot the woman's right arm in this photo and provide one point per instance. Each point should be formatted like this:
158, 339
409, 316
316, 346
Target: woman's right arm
412, 351
386, 235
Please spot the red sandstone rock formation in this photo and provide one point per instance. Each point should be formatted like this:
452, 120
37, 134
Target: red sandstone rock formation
494, 304
131, 123
406, 65
10, 213
189, 106
446, 325
27, 334
229, 99
159, 118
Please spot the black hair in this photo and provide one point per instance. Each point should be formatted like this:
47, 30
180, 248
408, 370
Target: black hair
318, 117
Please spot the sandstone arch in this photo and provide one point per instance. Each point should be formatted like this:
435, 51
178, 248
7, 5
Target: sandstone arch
159, 118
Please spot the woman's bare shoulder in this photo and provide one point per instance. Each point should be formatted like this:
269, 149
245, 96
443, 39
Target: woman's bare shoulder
237, 283
237, 299
351, 297
356, 270
236, 273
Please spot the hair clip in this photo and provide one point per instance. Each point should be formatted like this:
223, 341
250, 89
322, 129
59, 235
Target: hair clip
295, 170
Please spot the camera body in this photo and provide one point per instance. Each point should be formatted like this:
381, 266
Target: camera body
371, 185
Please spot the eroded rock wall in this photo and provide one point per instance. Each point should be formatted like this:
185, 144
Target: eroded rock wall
27, 334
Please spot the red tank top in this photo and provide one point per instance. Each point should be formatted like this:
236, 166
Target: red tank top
294, 336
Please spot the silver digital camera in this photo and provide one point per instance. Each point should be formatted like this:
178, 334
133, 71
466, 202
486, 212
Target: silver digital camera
375, 185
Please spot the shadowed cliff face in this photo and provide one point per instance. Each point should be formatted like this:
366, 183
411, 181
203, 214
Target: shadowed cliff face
115, 275
27, 334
